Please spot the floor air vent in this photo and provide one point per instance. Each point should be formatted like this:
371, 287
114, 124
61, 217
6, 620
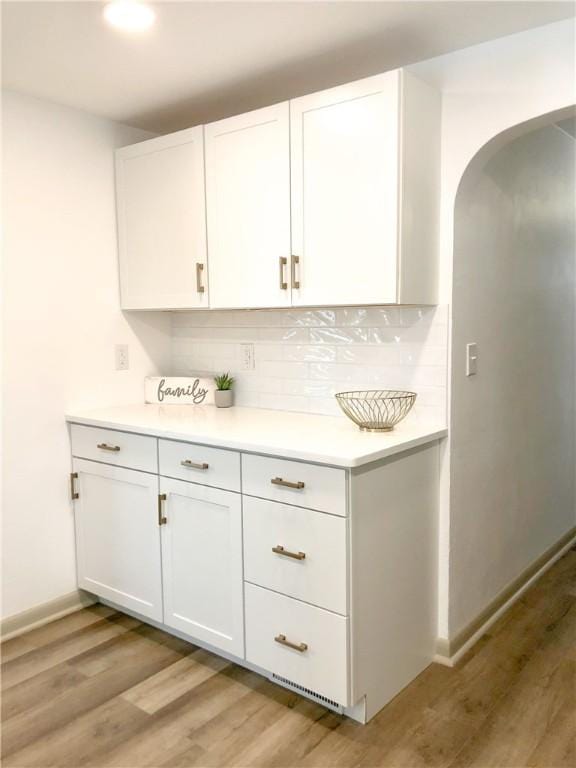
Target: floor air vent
323, 700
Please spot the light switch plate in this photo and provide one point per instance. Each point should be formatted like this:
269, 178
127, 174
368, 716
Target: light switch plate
471, 359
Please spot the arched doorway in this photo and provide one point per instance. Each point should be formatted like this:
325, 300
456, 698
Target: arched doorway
512, 461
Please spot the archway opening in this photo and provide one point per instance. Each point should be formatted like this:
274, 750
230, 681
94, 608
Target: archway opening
513, 423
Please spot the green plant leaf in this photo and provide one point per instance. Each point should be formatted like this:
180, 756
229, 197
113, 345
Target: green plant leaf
223, 381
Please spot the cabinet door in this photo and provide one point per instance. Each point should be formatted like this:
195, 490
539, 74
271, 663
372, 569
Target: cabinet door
202, 562
345, 164
162, 222
118, 537
248, 209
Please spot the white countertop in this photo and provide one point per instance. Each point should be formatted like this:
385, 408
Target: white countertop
321, 439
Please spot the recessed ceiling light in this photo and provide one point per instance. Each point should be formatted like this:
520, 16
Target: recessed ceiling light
129, 15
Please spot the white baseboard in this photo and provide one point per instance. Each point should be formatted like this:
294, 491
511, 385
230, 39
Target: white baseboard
449, 655
20, 623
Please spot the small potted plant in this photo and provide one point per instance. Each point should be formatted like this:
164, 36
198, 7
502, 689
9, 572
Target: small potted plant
223, 395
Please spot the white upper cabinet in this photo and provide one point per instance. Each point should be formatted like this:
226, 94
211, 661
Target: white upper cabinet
359, 153
162, 222
248, 208
345, 160
330, 199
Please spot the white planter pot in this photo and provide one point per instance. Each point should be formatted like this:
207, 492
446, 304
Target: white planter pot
223, 398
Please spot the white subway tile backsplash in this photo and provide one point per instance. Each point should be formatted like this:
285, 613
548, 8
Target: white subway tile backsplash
311, 353
284, 335
303, 357
339, 335
309, 317
369, 354
284, 370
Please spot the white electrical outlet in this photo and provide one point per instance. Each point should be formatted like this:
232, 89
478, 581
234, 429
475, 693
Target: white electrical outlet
121, 355
247, 357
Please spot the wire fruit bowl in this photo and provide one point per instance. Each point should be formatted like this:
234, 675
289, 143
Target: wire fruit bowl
376, 410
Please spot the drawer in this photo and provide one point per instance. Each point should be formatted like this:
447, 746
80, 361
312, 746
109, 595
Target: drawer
295, 482
122, 449
199, 464
298, 552
319, 661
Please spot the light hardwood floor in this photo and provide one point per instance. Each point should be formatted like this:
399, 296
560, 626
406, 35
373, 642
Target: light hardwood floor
100, 689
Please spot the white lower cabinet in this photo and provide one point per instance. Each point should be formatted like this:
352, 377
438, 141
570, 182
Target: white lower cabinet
117, 536
303, 644
202, 563
322, 578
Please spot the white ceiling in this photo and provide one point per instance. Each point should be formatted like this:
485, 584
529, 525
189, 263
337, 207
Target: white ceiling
204, 60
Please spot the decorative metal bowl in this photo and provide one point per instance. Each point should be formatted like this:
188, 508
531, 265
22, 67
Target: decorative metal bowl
376, 410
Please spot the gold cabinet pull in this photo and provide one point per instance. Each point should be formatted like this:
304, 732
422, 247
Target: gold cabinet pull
199, 270
161, 519
194, 465
287, 483
286, 552
294, 262
283, 284
300, 647
73, 492
106, 447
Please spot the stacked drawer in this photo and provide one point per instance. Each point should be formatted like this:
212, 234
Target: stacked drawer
295, 571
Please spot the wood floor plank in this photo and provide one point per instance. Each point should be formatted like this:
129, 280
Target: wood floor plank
82, 739
44, 687
557, 747
100, 690
60, 628
226, 734
480, 683
173, 682
63, 649
275, 730
523, 718
120, 650
58, 711
186, 756
431, 743
520, 723
18, 646
297, 746
369, 743
164, 733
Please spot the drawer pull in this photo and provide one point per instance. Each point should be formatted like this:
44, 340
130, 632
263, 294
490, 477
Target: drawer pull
106, 447
286, 552
194, 465
287, 483
300, 647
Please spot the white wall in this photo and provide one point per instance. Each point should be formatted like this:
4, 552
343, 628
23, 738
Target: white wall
302, 357
61, 321
486, 90
512, 427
